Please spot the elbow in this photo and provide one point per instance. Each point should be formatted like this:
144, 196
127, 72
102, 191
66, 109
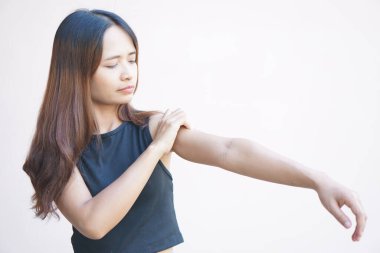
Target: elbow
236, 151
225, 154
96, 235
93, 232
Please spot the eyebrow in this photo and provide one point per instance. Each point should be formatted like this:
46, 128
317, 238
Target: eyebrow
117, 56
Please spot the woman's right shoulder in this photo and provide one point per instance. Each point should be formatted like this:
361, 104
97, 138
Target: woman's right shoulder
156, 115
153, 121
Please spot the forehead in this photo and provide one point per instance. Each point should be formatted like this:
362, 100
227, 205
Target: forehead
116, 41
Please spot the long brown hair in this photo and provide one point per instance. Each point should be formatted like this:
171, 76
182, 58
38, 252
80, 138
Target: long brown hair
65, 123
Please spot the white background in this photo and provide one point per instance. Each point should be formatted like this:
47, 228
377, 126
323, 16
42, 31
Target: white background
300, 77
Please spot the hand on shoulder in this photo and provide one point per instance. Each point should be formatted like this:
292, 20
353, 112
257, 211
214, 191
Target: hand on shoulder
153, 123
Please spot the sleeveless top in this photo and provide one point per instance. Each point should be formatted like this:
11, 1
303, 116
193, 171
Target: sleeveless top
150, 225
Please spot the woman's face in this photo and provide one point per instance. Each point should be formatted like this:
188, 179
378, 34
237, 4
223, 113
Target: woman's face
116, 71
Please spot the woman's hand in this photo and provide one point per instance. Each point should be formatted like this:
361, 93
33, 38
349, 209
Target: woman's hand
333, 196
168, 127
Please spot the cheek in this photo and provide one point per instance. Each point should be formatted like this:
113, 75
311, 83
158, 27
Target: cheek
103, 76
104, 79
96, 89
102, 84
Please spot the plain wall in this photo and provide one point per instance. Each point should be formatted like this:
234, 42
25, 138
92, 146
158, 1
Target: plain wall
300, 77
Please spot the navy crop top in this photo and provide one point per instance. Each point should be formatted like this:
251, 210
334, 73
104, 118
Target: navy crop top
150, 225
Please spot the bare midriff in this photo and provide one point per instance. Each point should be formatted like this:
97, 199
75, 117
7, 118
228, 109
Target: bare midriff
169, 250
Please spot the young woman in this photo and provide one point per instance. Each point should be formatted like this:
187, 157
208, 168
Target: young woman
104, 164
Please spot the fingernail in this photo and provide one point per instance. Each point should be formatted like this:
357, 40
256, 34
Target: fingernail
347, 224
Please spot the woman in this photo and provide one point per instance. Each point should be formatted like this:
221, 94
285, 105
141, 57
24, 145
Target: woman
104, 164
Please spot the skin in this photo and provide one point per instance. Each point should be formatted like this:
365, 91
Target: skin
245, 157
116, 70
238, 155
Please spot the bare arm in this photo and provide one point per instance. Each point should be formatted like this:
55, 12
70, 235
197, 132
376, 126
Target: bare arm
96, 216
245, 157
252, 159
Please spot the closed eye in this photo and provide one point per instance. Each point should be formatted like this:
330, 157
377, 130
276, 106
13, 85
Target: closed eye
111, 66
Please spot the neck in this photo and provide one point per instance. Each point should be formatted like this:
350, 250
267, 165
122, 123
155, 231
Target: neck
106, 117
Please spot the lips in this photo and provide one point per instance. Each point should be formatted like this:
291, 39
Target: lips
127, 87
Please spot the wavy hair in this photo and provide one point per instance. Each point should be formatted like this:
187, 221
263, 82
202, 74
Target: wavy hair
66, 122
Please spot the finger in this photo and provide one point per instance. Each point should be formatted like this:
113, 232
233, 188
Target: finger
360, 215
178, 109
165, 116
360, 203
166, 112
355, 205
179, 117
169, 114
176, 112
340, 215
187, 125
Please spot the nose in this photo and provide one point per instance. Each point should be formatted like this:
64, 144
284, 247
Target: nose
124, 76
125, 73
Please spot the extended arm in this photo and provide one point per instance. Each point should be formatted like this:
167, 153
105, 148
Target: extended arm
249, 158
252, 159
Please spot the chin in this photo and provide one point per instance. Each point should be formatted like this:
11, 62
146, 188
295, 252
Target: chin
125, 101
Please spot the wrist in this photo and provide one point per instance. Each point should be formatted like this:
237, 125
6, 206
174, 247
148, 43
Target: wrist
319, 177
155, 148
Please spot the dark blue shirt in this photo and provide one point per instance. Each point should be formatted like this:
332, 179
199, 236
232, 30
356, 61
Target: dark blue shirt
150, 225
